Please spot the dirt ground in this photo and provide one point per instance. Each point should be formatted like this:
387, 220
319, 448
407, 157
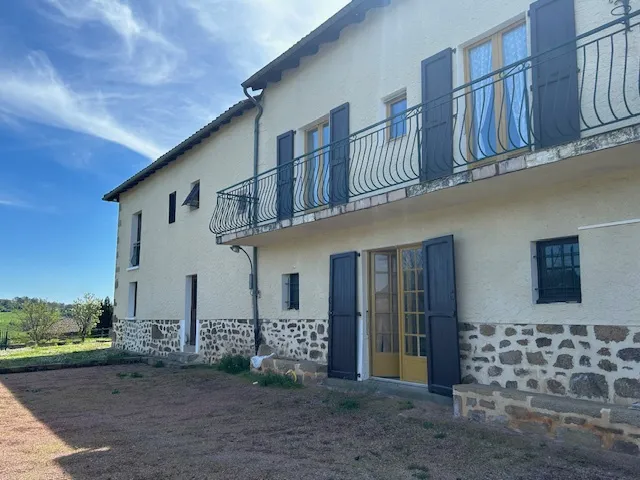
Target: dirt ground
161, 423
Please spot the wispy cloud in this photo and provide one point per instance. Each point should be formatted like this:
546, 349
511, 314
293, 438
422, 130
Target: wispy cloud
267, 27
145, 74
13, 201
36, 93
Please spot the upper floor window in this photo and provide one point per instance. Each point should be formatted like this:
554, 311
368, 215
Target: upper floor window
397, 119
316, 191
497, 106
558, 262
172, 207
136, 234
193, 199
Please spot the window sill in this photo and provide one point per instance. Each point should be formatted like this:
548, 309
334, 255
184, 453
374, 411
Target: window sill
550, 301
130, 269
130, 319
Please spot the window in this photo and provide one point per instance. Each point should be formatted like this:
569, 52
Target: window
291, 291
316, 191
133, 300
397, 119
136, 231
193, 199
172, 207
558, 264
497, 107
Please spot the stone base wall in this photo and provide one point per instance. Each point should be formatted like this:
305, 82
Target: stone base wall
226, 336
149, 337
600, 363
298, 339
578, 422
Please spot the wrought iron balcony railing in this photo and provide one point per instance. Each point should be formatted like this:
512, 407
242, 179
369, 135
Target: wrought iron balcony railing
590, 85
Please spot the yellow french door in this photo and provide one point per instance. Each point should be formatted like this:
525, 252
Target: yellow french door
385, 344
413, 345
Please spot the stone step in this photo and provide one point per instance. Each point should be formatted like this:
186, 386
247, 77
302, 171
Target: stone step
184, 357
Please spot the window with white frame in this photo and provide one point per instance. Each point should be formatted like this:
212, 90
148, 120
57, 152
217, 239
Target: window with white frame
317, 168
136, 235
291, 291
397, 116
132, 309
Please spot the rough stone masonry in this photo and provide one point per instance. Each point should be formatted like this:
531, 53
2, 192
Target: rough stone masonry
594, 362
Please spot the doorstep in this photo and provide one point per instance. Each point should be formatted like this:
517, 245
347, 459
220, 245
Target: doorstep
577, 422
381, 386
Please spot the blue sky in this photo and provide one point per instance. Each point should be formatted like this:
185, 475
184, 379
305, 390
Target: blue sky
92, 91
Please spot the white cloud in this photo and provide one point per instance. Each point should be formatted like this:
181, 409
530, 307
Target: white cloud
37, 94
13, 201
146, 74
257, 31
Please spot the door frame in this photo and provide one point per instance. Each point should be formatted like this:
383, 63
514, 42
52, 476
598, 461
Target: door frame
371, 310
187, 314
369, 321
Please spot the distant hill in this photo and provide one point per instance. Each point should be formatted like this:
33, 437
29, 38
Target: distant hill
13, 304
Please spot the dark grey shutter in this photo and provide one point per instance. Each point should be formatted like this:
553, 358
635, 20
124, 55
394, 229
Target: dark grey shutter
343, 314
437, 116
556, 108
339, 155
172, 207
285, 175
443, 355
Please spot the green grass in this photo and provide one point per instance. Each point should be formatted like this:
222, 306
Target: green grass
11, 321
90, 350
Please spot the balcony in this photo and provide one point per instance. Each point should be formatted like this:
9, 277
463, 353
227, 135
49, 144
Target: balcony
559, 104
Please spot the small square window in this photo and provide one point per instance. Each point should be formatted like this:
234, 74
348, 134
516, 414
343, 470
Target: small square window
193, 199
558, 263
291, 291
397, 117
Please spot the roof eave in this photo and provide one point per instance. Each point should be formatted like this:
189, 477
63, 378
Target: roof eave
329, 31
184, 146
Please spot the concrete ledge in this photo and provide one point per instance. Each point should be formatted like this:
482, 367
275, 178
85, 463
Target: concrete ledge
60, 366
388, 388
580, 422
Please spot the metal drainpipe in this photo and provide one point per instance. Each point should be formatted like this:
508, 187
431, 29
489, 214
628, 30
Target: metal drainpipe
256, 148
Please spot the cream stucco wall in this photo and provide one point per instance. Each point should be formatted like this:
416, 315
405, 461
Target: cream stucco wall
382, 55
170, 252
493, 241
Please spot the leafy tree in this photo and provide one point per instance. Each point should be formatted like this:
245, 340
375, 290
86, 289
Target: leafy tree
86, 312
38, 318
106, 317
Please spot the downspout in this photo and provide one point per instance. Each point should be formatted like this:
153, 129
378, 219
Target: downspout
256, 148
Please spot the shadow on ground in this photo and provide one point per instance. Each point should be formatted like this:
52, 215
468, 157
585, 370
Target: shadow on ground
138, 422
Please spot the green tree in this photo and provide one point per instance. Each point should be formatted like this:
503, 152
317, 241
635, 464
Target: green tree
38, 318
86, 312
106, 317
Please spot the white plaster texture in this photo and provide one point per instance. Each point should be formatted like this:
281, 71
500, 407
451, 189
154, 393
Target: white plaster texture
170, 252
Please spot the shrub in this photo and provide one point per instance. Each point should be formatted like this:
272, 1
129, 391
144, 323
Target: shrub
233, 364
38, 318
158, 364
86, 312
277, 380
